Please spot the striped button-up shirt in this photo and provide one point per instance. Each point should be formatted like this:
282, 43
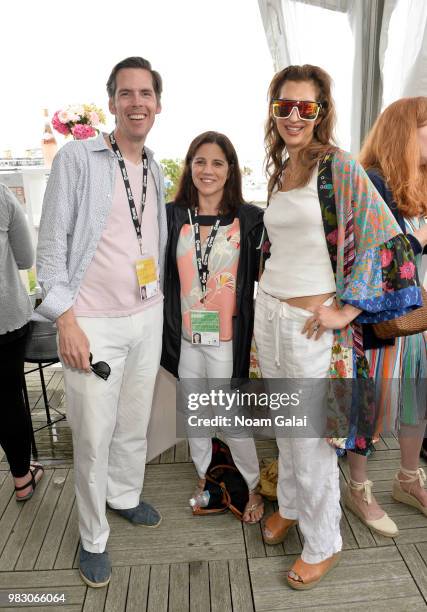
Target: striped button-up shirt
76, 206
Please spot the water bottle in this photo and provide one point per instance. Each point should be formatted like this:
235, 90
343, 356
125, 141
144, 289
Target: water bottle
200, 500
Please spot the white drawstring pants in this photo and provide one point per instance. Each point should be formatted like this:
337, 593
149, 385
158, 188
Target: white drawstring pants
199, 366
308, 483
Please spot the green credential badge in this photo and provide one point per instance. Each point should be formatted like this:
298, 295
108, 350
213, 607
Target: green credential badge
204, 327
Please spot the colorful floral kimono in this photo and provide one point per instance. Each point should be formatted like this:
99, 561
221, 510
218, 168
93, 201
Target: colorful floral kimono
374, 271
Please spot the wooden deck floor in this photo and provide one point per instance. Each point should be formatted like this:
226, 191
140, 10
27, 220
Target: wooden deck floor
195, 564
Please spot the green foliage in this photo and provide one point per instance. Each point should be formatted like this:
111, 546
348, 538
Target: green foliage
32, 279
172, 169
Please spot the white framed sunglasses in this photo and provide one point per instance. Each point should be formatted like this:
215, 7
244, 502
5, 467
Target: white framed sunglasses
307, 110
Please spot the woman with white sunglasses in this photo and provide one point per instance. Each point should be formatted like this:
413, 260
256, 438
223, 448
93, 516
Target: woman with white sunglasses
327, 227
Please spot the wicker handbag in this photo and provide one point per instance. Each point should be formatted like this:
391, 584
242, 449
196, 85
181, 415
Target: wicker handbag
406, 325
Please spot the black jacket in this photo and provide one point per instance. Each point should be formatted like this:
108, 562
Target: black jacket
251, 224
386, 194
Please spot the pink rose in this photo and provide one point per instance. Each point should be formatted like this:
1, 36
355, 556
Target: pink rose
407, 271
58, 125
81, 131
387, 288
332, 237
386, 258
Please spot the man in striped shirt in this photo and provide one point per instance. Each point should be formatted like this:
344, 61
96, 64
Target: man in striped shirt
102, 239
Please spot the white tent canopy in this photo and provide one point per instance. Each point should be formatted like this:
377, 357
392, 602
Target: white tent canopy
375, 50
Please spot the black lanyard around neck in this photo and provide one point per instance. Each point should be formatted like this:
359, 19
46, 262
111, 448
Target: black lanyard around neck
202, 261
129, 194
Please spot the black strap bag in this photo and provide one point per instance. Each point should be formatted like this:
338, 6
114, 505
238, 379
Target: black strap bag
227, 487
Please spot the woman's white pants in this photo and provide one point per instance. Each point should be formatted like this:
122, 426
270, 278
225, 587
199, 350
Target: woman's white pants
308, 484
201, 368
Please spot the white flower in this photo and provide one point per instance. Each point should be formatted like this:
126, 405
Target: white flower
77, 110
63, 116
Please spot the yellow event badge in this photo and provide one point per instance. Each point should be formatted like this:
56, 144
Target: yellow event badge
148, 280
204, 327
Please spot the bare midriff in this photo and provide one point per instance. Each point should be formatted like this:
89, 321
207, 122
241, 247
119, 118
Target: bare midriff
308, 302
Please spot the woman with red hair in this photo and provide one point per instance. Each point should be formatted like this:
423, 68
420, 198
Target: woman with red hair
395, 157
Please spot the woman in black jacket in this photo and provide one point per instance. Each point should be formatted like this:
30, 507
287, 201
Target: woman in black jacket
211, 266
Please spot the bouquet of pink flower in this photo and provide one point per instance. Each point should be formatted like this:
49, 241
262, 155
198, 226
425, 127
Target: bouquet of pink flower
80, 121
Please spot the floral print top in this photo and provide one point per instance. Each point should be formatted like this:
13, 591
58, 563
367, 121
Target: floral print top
221, 286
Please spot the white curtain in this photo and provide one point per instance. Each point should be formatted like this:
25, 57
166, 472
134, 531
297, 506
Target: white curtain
320, 32
283, 20
384, 55
355, 15
403, 49
274, 26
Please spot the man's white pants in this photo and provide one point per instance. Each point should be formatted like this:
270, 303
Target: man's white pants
109, 419
308, 482
199, 367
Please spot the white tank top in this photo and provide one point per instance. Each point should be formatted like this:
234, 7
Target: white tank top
299, 264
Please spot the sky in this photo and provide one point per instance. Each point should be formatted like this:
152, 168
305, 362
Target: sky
213, 57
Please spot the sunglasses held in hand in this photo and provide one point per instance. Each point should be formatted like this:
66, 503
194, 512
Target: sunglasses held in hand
100, 368
307, 110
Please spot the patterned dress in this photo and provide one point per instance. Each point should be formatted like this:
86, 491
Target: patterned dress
400, 371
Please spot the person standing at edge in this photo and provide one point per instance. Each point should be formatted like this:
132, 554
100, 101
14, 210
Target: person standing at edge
395, 157
16, 253
331, 234
102, 238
